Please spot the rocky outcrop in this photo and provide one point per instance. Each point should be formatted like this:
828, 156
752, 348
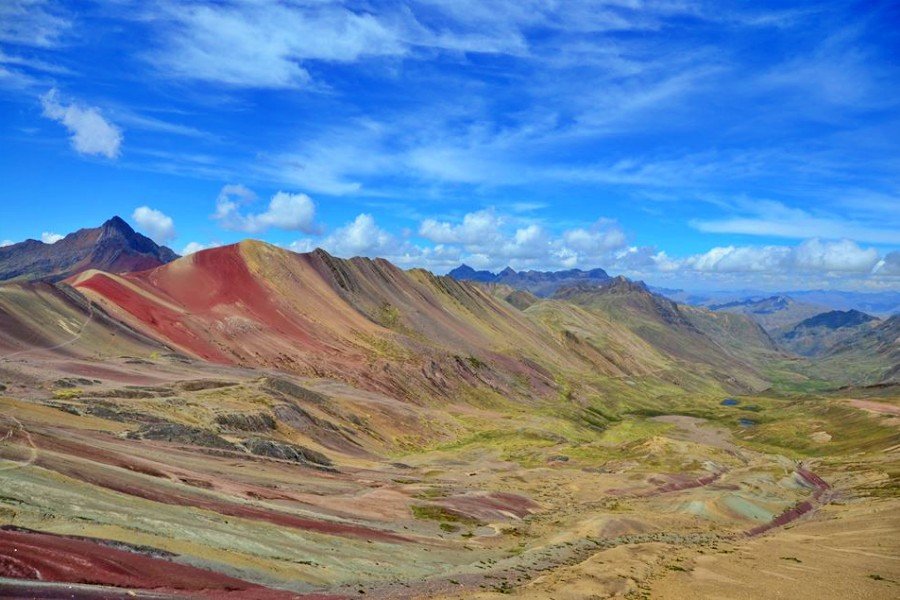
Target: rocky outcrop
289, 452
257, 422
182, 434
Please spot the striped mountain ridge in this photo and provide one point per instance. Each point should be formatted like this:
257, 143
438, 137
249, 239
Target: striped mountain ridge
365, 321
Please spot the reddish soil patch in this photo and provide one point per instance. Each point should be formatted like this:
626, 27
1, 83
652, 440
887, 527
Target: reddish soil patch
487, 507
162, 319
672, 483
819, 485
816, 482
109, 374
791, 514
47, 557
209, 288
88, 452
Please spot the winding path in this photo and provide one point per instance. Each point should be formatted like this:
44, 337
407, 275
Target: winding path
33, 452
77, 337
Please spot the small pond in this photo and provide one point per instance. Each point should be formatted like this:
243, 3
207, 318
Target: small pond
747, 422
730, 402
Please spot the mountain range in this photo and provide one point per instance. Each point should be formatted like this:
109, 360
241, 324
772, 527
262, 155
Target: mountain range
879, 303
410, 332
772, 312
539, 283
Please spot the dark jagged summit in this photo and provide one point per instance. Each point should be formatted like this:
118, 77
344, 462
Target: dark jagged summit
466, 273
114, 247
836, 319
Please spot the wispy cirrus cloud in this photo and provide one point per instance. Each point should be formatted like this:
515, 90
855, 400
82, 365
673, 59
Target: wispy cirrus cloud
35, 23
772, 218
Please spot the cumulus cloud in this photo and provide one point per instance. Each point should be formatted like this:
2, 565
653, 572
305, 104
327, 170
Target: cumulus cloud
476, 229
839, 256
49, 237
156, 224
293, 212
488, 240
741, 259
91, 132
812, 256
603, 236
192, 247
363, 237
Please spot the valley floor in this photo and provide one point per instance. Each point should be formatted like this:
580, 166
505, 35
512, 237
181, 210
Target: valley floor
171, 478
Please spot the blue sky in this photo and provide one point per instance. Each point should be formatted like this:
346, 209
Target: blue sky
690, 144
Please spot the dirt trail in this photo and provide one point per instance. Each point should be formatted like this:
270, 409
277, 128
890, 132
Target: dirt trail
77, 337
33, 452
876, 407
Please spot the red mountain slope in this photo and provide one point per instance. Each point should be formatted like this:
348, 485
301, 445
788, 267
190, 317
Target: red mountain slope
360, 320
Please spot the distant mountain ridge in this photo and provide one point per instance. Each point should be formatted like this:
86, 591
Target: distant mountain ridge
881, 304
869, 354
822, 333
539, 283
772, 313
113, 247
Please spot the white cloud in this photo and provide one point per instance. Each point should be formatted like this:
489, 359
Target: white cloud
889, 266
812, 256
91, 132
603, 236
771, 218
303, 245
363, 237
5, 243
488, 240
293, 212
157, 225
35, 64
839, 256
480, 228
51, 238
192, 247
35, 23
260, 44
731, 259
